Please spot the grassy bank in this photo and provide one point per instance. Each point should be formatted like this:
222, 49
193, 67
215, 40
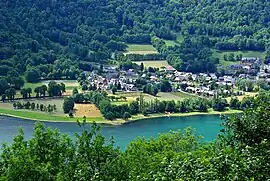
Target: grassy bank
37, 116
161, 115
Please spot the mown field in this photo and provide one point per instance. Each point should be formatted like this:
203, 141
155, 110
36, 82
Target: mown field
220, 55
153, 63
140, 49
183, 95
87, 110
162, 96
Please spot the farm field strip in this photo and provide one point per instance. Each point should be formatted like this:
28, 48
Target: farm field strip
142, 49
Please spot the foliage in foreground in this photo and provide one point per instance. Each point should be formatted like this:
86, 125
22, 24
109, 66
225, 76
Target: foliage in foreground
241, 152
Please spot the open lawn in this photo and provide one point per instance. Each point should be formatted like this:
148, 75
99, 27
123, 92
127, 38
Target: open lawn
220, 55
162, 96
140, 49
87, 110
32, 85
68, 83
153, 63
132, 96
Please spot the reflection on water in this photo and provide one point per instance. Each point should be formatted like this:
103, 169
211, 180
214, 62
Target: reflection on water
207, 126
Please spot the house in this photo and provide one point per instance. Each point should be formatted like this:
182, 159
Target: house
153, 78
242, 76
229, 79
250, 61
190, 89
169, 68
235, 67
213, 76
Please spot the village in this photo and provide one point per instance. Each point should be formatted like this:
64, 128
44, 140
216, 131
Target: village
223, 84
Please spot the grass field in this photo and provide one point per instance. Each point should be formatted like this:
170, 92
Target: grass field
68, 83
220, 55
140, 49
153, 63
45, 102
178, 40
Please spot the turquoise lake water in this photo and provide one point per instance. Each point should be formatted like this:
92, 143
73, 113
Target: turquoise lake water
208, 126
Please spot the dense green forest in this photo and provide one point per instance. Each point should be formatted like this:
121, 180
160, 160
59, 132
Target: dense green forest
240, 152
56, 39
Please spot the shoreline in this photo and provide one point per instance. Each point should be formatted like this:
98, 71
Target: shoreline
118, 122
153, 116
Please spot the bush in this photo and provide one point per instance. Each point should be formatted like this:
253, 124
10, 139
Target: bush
110, 116
70, 114
126, 116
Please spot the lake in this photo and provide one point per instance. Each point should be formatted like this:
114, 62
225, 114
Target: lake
207, 126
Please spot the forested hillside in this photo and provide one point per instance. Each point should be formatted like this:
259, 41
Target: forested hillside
48, 39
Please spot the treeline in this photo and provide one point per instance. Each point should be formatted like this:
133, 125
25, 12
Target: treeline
241, 43
35, 106
240, 152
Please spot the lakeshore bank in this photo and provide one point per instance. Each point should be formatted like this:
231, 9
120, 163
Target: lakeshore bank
33, 116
